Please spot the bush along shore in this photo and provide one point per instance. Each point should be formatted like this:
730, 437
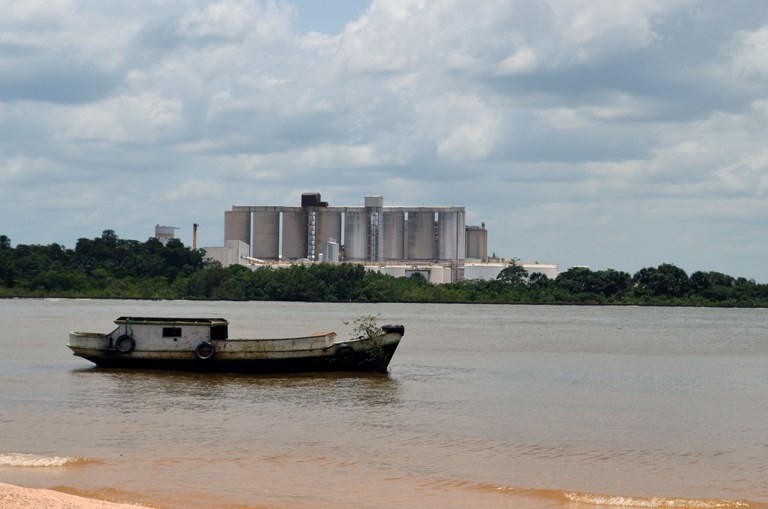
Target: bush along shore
110, 267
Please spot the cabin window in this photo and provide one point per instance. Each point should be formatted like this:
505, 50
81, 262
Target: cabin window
219, 332
171, 332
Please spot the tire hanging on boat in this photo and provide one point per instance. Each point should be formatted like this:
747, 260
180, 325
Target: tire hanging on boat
205, 350
345, 353
125, 344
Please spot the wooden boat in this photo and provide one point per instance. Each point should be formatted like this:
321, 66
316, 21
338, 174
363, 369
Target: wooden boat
202, 344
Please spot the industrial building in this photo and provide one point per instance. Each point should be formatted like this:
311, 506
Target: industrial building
165, 233
434, 241
489, 270
373, 233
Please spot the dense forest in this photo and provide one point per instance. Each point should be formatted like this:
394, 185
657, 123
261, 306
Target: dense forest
110, 267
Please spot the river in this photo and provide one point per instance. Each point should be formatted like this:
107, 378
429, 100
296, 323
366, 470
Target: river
484, 406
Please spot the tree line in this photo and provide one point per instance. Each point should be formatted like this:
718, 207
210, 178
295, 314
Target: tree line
110, 267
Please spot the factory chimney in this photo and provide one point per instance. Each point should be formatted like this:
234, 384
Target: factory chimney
194, 236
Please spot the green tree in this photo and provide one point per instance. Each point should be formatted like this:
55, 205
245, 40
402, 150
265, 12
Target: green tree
513, 275
666, 280
578, 280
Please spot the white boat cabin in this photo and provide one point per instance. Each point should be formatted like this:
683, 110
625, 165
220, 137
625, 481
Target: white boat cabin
158, 328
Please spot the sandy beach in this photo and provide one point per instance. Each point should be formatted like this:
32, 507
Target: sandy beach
15, 497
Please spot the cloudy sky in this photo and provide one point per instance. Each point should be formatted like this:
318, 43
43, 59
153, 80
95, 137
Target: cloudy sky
608, 133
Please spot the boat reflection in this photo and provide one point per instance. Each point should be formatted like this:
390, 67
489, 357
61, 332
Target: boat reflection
193, 390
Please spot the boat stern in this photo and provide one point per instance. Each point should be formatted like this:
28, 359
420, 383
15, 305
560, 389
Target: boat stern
89, 340
90, 345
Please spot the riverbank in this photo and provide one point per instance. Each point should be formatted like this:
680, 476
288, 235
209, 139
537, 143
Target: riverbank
16, 497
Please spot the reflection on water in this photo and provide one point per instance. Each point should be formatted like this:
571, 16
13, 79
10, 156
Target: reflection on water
190, 390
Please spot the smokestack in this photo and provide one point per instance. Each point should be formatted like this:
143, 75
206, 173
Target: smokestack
194, 236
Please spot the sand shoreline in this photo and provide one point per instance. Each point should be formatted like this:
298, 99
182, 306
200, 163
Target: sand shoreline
16, 497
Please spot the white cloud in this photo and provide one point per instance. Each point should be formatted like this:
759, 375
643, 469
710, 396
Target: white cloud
522, 60
749, 57
301, 162
235, 19
124, 119
461, 127
19, 168
36, 14
194, 189
747, 174
468, 142
606, 25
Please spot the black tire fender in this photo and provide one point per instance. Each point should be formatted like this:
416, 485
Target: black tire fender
125, 344
344, 352
205, 350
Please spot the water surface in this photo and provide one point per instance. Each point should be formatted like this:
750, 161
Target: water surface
484, 406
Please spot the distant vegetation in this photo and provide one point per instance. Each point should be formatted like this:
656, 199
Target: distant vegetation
109, 267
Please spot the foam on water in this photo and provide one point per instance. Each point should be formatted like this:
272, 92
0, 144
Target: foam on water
16, 459
652, 502
576, 500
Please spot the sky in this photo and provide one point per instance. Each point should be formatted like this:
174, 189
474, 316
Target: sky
613, 134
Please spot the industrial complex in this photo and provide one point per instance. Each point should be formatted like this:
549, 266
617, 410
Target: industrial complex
401, 241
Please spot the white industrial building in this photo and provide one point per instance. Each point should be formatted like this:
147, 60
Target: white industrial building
433, 241
234, 252
165, 233
490, 270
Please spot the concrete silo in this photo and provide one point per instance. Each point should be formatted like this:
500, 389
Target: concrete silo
356, 234
237, 226
477, 242
266, 235
371, 233
451, 228
421, 235
392, 235
294, 233
328, 227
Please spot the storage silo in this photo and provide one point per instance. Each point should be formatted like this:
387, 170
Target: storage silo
421, 235
356, 235
451, 227
477, 242
266, 235
165, 233
331, 251
392, 234
328, 226
237, 226
294, 234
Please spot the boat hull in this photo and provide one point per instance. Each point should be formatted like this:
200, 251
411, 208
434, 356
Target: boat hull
133, 346
295, 364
